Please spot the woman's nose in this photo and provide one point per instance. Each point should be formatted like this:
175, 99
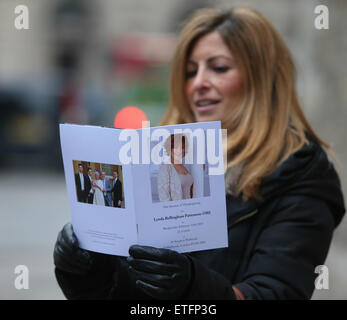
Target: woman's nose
201, 80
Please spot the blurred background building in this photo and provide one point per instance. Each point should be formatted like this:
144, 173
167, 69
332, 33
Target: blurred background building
81, 61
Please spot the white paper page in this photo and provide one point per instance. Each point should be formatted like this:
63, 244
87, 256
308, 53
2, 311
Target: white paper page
98, 228
184, 225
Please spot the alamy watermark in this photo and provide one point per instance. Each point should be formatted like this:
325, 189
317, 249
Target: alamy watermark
322, 281
322, 19
158, 145
22, 280
21, 20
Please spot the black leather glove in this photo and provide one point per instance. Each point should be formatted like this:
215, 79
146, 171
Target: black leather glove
68, 256
160, 273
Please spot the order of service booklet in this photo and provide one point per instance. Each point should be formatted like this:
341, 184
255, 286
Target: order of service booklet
155, 186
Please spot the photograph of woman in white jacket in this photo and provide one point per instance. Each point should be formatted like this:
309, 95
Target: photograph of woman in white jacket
175, 182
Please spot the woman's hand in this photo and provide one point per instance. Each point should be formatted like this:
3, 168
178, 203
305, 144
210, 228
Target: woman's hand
160, 273
83, 274
68, 256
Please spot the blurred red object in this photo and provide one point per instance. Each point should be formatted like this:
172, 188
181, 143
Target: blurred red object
129, 117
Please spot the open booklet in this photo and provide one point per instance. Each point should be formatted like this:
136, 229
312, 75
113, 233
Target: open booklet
158, 186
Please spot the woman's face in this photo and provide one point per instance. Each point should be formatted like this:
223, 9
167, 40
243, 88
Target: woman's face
178, 152
214, 85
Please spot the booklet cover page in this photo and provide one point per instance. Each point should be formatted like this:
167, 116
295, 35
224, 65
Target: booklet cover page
159, 186
181, 206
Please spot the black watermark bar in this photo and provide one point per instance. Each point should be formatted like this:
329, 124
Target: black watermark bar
138, 310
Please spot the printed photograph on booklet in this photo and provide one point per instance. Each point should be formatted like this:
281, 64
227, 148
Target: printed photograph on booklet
177, 180
99, 183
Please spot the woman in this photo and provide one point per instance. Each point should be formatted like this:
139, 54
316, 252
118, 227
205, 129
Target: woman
174, 180
98, 190
283, 195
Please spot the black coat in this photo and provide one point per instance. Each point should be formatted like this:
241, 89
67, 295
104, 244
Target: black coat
117, 192
274, 244
82, 195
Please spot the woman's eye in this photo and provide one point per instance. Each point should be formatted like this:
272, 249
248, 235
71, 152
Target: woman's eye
190, 74
221, 69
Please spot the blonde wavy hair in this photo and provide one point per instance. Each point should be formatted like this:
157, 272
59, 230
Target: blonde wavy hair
269, 123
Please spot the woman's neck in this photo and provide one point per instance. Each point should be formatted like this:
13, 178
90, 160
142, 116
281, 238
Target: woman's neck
176, 163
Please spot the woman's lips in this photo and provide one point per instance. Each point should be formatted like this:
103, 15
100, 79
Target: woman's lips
206, 105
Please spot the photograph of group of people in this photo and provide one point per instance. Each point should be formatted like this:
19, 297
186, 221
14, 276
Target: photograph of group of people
177, 180
98, 183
